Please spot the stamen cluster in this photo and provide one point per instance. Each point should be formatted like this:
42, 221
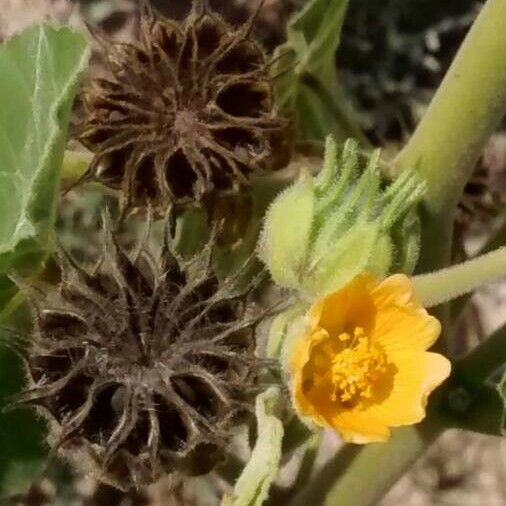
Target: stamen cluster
357, 368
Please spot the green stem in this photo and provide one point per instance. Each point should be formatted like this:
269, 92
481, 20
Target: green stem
463, 114
75, 165
469, 400
283, 495
498, 240
447, 284
466, 110
361, 475
485, 359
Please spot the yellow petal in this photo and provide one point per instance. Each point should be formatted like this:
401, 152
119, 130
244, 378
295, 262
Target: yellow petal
405, 329
300, 357
396, 289
417, 375
360, 427
401, 323
352, 306
388, 314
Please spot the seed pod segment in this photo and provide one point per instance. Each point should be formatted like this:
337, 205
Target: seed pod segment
141, 366
185, 111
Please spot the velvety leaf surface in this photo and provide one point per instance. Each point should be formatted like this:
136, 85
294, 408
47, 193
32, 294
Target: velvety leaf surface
39, 72
305, 73
252, 487
21, 434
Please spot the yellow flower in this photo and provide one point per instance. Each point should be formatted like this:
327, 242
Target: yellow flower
362, 366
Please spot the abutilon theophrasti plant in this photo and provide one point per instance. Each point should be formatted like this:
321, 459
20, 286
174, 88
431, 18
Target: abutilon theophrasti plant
185, 112
142, 365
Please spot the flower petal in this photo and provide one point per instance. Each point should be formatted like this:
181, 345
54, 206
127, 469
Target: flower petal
390, 316
418, 374
351, 306
360, 427
299, 362
405, 329
396, 289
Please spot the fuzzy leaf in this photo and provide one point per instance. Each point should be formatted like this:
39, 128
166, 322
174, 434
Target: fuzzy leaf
252, 487
279, 328
325, 230
315, 32
348, 257
306, 76
39, 72
39, 69
21, 433
283, 242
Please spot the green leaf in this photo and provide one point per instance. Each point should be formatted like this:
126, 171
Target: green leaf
21, 434
348, 257
39, 73
474, 397
191, 232
252, 487
285, 239
279, 327
7, 290
39, 70
315, 32
306, 76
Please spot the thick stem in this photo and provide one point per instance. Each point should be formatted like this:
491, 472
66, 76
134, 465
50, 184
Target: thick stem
469, 400
485, 359
75, 165
447, 284
464, 113
360, 476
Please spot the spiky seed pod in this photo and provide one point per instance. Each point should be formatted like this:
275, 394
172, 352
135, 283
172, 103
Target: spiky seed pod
186, 111
142, 366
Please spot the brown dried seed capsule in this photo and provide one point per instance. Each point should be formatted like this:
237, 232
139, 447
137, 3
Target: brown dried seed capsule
186, 111
142, 366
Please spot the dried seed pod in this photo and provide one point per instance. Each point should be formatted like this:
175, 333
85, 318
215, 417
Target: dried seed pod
142, 366
184, 112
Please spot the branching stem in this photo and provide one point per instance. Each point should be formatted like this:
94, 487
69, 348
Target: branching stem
447, 284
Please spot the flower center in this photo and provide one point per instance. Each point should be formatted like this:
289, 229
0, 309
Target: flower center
357, 367
185, 123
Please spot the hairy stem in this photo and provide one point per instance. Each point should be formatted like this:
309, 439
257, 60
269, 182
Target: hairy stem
447, 284
464, 113
75, 165
365, 474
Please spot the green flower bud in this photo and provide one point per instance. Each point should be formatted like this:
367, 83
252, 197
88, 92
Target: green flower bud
324, 230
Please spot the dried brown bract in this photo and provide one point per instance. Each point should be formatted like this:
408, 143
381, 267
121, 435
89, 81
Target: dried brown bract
185, 112
142, 366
